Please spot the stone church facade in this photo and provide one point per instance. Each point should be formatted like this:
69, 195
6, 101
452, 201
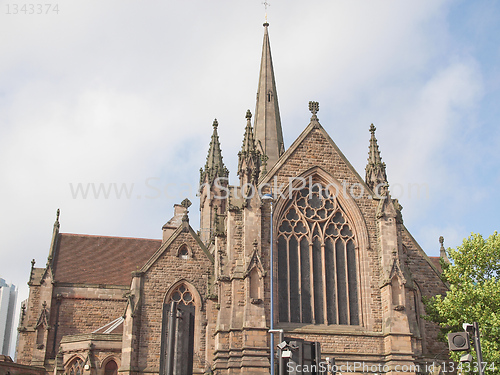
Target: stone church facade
347, 273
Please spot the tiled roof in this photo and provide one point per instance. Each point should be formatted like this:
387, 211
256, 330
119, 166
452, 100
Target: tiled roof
85, 259
435, 261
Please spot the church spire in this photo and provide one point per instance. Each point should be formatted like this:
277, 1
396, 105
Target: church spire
214, 167
267, 123
375, 169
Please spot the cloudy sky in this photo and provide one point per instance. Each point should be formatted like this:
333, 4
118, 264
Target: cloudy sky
125, 92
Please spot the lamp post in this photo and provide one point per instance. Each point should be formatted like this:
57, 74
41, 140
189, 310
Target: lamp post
269, 197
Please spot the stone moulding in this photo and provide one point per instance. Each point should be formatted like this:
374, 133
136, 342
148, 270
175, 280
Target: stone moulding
92, 337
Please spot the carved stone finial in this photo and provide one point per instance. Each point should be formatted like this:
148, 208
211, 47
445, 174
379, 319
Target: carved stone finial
248, 116
314, 107
44, 304
215, 124
442, 250
186, 203
255, 243
372, 129
32, 263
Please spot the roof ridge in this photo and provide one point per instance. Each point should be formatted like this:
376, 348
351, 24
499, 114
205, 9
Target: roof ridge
104, 236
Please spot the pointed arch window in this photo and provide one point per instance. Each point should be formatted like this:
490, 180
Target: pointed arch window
75, 367
317, 268
111, 368
177, 338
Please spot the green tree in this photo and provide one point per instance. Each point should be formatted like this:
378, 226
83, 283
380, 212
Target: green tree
473, 296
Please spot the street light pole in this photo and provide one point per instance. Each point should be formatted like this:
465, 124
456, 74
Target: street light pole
477, 344
271, 265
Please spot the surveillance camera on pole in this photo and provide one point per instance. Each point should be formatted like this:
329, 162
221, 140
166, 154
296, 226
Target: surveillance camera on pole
282, 345
466, 358
469, 328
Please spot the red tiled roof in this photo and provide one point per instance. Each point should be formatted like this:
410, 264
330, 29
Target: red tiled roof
85, 259
435, 261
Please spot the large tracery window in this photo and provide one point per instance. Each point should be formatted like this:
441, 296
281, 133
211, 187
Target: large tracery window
317, 278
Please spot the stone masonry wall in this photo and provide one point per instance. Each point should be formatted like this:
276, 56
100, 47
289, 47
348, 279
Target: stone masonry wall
429, 284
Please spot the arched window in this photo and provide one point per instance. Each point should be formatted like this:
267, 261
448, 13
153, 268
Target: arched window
75, 367
177, 339
111, 368
184, 252
317, 278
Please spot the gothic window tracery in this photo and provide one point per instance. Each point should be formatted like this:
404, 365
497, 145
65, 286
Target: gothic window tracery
182, 295
317, 277
76, 367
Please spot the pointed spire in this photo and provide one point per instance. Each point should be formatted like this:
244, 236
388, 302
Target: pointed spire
248, 139
214, 167
376, 177
267, 123
249, 158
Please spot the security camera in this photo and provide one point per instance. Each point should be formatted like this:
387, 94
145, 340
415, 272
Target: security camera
282, 345
466, 358
469, 328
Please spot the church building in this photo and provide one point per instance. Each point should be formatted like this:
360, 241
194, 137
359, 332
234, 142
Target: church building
346, 271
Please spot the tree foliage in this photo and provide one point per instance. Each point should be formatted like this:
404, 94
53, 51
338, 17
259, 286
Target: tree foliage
473, 296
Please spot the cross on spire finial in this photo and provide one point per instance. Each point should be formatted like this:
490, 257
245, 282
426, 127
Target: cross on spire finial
186, 203
266, 4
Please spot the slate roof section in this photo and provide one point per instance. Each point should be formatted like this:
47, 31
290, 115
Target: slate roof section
100, 260
437, 264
